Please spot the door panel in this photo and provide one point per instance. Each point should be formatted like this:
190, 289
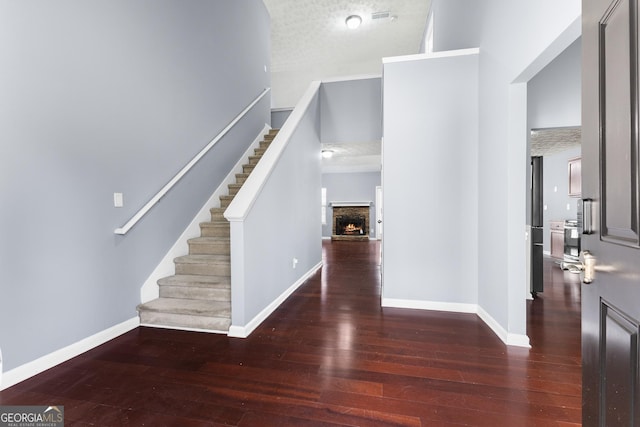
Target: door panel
611, 303
618, 65
619, 356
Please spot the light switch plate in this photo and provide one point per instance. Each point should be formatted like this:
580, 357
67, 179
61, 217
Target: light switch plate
118, 200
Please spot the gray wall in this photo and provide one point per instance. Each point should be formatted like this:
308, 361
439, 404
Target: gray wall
430, 197
456, 24
351, 187
102, 97
554, 94
282, 222
517, 40
351, 110
278, 117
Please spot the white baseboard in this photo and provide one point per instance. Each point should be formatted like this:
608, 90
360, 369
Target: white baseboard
50, 360
244, 331
516, 340
182, 328
430, 305
150, 289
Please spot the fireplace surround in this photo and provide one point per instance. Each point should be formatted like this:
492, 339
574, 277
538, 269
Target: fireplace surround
350, 222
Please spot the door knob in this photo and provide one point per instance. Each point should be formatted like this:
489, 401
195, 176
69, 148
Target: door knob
588, 266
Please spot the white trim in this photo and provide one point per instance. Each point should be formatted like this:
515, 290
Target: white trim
50, 360
350, 204
353, 168
433, 55
182, 328
150, 289
164, 190
246, 197
349, 78
430, 305
516, 340
245, 331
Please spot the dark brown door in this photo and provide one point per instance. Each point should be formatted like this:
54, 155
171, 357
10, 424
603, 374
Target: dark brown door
611, 302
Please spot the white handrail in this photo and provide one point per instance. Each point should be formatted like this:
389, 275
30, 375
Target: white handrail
246, 197
164, 190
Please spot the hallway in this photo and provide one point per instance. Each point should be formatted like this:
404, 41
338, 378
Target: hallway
330, 356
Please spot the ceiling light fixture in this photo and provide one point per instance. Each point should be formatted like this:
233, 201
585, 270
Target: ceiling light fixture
353, 21
327, 154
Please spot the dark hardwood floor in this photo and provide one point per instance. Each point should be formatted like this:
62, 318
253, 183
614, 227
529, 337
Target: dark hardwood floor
331, 356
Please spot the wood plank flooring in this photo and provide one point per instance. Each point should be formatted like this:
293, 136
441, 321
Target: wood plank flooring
331, 356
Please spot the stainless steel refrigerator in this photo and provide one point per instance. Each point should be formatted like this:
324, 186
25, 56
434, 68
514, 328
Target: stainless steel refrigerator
537, 270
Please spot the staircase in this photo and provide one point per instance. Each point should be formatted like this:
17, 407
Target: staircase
198, 296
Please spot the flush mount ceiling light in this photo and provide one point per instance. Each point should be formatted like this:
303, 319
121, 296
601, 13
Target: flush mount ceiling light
327, 154
353, 21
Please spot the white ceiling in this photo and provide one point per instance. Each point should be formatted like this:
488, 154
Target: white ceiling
308, 33
310, 41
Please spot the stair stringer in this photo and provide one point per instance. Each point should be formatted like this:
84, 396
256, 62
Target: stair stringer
166, 267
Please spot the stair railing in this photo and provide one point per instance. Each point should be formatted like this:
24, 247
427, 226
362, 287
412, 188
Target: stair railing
164, 190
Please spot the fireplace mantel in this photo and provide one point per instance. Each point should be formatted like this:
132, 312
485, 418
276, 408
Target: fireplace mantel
349, 204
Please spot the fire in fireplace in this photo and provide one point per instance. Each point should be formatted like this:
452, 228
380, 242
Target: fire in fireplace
350, 225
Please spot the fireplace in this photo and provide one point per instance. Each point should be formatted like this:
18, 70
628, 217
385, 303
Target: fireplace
350, 222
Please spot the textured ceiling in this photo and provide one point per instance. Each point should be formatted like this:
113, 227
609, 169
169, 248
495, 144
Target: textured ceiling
545, 142
312, 35
353, 157
307, 33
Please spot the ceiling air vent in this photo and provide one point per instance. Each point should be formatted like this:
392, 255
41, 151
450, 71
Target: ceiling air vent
380, 15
